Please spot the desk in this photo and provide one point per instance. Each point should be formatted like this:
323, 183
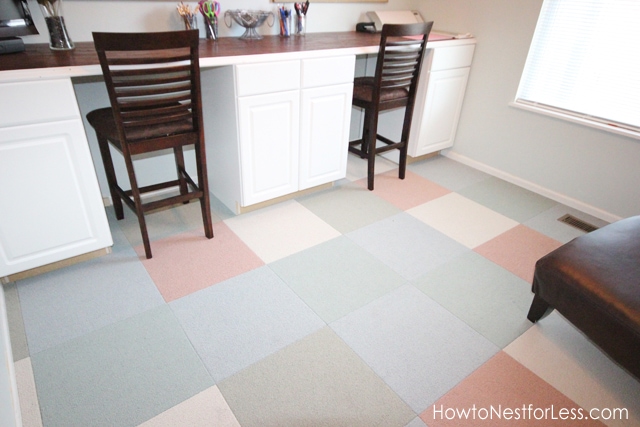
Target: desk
39, 61
51, 207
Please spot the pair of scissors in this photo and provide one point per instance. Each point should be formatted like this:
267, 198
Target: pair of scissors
214, 8
210, 10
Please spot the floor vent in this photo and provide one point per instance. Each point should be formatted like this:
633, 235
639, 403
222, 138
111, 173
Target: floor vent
577, 223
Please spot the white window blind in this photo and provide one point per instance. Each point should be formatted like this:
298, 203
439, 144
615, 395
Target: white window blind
584, 61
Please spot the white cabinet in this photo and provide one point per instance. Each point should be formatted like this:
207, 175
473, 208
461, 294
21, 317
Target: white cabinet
269, 144
275, 128
441, 93
50, 203
324, 133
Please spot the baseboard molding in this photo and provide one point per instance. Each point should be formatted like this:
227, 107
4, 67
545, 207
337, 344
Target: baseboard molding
54, 266
423, 157
543, 191
245, 209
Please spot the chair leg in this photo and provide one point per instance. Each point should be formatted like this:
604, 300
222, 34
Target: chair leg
403, 161
406, 129
205, 207
179, 158
112, 180
539, 308
137, 201
365, 134
371, 140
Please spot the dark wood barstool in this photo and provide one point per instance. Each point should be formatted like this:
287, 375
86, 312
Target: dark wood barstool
394, 85
153, 81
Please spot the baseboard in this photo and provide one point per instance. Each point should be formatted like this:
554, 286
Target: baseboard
245, 209
422, 157
54, 266
538, 189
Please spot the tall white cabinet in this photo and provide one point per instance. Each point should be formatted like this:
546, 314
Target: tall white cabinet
50, 204
274, 128
441, 91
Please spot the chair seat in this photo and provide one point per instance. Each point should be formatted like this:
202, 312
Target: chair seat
104, 123
363, 91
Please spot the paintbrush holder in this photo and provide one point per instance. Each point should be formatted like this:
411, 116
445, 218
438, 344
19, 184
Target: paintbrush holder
190, 22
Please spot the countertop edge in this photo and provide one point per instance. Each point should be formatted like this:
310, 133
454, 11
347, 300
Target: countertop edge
211, 55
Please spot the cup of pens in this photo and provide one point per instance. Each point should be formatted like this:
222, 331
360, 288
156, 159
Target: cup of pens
301, 18
285, 20
210, 11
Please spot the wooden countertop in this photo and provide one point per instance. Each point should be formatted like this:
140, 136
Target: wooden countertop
40, 56
38, 61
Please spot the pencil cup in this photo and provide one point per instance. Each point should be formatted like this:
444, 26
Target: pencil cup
285, 23
211, 29
301, 25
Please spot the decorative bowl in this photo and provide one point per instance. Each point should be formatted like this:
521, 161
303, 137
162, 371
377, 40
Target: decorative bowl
248, 19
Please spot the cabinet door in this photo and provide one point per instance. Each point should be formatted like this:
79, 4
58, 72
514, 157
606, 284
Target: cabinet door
50, 203
269, 138
436, 129
324, 134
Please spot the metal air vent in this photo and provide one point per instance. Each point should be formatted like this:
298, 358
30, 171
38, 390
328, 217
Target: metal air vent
577, 223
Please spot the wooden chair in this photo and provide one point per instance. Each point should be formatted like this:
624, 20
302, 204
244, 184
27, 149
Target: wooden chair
153, 80
394, 85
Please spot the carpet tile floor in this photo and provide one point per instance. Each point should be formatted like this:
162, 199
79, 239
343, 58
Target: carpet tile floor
401, 307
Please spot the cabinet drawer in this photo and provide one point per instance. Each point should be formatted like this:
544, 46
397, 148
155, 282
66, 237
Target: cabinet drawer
43, 101
267, 77
328, 71
446, 58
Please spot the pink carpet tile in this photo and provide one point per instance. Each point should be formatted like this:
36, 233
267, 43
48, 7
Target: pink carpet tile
502, 392
405, 194
188, 262
518, 249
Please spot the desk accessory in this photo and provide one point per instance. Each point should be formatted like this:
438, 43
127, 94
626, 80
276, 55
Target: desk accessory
250, 20
58, 37
188, 16
301, 17
210, 11
285, 20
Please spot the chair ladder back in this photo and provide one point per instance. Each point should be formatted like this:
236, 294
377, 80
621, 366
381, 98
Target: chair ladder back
151, 86
400, 57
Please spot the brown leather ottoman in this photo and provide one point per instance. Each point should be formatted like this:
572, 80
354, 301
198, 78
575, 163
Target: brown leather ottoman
594, 282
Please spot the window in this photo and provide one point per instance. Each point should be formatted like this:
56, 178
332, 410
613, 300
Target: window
584, 63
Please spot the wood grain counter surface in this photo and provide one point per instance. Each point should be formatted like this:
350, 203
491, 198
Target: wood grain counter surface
38, 56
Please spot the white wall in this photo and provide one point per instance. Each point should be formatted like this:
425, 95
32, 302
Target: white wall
591, 169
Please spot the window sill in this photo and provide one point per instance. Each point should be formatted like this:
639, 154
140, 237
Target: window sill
607, 127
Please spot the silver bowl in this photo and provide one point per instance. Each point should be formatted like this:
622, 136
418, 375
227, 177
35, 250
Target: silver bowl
248, 19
